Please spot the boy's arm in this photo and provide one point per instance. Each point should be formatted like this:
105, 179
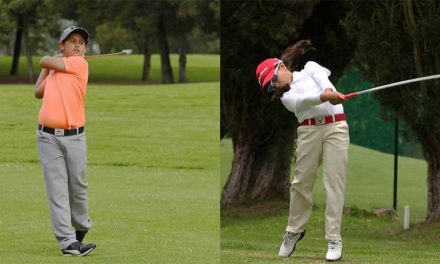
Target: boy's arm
55, 63
39, 85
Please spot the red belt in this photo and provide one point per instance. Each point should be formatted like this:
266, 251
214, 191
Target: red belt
322, 120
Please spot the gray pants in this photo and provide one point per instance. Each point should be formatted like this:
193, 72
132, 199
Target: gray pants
64, 161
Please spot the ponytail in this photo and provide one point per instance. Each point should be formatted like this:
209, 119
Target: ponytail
294, 56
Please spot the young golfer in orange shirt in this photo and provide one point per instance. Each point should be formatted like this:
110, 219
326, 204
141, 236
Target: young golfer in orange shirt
61, 139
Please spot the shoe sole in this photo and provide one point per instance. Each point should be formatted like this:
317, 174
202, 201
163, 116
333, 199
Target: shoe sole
333, 260
68, 254
294, 247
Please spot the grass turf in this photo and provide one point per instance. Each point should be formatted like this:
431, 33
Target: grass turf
199, 68
252, 234
256, 239
153, 175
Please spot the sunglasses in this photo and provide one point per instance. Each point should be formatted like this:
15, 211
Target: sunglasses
271, 87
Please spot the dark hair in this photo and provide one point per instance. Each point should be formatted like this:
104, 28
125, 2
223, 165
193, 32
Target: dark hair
298, 54
273, 95
276, 94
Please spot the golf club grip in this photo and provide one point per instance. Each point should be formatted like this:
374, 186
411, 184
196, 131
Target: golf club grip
350, 95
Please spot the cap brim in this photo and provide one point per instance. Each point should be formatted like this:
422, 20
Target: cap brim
268, 77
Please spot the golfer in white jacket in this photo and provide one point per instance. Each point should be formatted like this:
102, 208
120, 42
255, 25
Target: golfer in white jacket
322, 138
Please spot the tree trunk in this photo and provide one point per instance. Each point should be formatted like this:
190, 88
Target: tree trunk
430, 140
274, 174
17, 46
28, 50
182, 58
431, 148
239, 178
167, 71
223, 131
434, 189
260, 172
147, 57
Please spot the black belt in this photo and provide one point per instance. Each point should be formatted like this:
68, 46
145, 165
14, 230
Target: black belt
60, 131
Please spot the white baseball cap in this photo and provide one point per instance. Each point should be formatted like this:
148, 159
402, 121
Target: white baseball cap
73, 29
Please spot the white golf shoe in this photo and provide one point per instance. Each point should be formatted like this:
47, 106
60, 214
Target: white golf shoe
334, 252
289, 243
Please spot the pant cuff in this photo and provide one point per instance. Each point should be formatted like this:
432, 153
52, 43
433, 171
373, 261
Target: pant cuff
66, 243
294, 230
333, 237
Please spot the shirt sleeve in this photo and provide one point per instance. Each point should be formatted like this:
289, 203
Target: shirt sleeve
76, 65
319, 74
297, 102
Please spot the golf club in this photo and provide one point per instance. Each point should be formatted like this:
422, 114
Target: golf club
123, 52
436, 76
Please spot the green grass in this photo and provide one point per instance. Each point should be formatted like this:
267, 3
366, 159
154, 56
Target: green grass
153, 175
256, 239
369, 180
200, 68
253, 235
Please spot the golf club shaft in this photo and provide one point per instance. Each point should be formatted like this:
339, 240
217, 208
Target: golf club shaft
105, 55
436, 76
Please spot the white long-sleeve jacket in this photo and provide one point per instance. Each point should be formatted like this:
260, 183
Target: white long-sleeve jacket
303, 98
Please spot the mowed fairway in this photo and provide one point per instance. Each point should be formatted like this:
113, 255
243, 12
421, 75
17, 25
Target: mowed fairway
253, 234
153, 175
128, 68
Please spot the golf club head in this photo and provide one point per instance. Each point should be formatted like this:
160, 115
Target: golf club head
127, 51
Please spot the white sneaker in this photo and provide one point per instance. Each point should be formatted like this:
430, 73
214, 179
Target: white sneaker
334, 252
289, 243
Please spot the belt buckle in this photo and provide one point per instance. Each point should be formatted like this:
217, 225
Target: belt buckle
59, 132
320, 120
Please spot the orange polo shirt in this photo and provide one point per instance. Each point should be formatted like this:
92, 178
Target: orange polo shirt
64, 95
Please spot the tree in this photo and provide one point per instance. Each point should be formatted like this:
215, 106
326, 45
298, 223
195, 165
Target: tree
186, 12
329, 37
182, 17
147, 24
24, 13
404, 43
6, 25
145, 19
192, 14
140, 17
112, 37
166, 69
132, 19
263, 133
32, 30
84, 13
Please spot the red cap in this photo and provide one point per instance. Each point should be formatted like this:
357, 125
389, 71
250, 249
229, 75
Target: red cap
266, 71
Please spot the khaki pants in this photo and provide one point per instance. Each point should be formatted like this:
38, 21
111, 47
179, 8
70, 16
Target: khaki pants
327, 144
